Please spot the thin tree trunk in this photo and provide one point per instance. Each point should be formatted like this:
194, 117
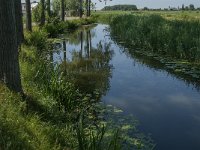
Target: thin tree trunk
28, 16
42, 21
62, 10
89, 8
81, 52
9, 62
65, 50
49, 8
65, 58
88, 44
87, 12
81, 9
90, 38
19, 21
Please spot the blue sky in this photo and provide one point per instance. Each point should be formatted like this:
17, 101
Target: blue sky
149, 3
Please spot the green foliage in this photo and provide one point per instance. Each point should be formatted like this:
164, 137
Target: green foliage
37, 38
178, 39
54, 27
70, 5
168, 38
19, 130
169, 15
120, 7
36, 14
83, 21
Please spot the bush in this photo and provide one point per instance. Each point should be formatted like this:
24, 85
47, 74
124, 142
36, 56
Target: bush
54, 27
37, 38
36, 14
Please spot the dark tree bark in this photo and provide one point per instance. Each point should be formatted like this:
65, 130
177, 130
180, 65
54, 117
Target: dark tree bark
81, 38
89, 8
65, 57
49, 8
62, 10
28, 16
81, 9
65, 50
88, 44
9, 62
42, 21
19, 21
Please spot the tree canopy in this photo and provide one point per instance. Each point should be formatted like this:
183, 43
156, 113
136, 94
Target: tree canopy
121, 7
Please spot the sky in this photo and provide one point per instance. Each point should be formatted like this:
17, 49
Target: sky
146, 3
149, 3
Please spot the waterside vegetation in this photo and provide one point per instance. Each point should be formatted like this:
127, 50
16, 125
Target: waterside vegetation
173, 42
53, 112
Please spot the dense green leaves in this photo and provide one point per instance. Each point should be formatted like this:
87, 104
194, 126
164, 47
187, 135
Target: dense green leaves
121, 7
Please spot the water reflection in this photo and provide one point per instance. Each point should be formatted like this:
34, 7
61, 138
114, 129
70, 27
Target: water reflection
155, 65
86, 64
162, 101
166, 103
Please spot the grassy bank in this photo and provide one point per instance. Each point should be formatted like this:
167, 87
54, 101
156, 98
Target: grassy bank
170, 15
173, 42
53, 113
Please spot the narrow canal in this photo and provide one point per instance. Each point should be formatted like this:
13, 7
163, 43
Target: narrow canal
167, 107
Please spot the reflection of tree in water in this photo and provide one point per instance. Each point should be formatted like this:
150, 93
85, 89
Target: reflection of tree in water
75, 38
154, 64
89, 69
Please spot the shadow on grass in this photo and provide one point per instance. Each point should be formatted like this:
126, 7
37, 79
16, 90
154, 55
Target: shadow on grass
11, 138
57, 132
54, 117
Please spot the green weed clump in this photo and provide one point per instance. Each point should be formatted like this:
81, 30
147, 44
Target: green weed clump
37, 38
84, 21
54, 27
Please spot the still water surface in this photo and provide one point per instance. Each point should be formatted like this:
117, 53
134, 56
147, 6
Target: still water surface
168, 108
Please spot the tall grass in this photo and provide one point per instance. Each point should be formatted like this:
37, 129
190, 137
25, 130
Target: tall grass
179, 39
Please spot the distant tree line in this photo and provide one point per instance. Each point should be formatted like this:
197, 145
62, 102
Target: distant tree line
191, 7
121, 7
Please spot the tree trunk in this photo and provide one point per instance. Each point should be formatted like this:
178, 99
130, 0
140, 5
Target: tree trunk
64, 51
42, 21
81, 37
9, 62
49, 8
81, 9
90, 42
89, 8
19, 21
62, 10
28, 16
88, 45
